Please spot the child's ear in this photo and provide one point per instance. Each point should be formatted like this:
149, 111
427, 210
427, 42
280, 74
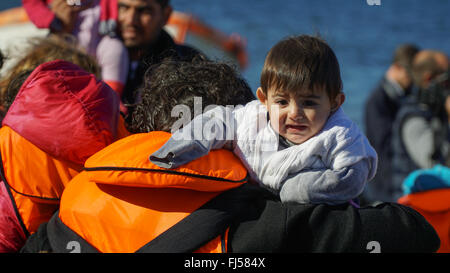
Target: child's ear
338, 101
261, 96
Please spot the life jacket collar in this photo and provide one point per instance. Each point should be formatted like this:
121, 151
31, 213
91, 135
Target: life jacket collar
120, 164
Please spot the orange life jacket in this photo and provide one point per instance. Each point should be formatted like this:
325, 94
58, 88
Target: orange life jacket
122, 201
434, 205
60, 117
36, 179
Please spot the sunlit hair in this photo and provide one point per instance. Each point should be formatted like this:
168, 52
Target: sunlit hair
39, 51
299, 63
173, 83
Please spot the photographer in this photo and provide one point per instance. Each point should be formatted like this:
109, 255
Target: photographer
421, 129
381, 108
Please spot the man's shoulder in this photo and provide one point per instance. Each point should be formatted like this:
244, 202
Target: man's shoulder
378, 94
188, 52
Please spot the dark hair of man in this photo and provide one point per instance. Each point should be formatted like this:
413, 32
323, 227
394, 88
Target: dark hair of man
163, 3
301, 62
13, 87
404, 55
173, 83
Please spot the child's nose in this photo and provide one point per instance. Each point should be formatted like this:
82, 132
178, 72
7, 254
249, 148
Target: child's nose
296, 112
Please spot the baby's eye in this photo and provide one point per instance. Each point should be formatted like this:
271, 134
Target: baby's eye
281, 102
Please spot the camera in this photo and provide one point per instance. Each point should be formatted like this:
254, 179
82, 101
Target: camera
435, 95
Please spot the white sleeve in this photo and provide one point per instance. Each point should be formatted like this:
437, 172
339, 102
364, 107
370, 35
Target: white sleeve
325, 186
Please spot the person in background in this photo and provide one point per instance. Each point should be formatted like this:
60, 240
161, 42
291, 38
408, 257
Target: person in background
140, 26
421, 136
93, 23
124, 203
380, 110
428, 192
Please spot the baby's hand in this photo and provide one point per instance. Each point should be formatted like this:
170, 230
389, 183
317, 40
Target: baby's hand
178, 152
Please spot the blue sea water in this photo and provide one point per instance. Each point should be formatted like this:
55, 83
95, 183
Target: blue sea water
363, 36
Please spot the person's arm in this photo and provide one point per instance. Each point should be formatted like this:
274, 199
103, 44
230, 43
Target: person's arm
58, 17
197, 138
418, 139
388, 227
278, 227
325, 186
39, 13
112, 56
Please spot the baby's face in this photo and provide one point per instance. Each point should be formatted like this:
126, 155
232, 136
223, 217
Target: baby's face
297, 116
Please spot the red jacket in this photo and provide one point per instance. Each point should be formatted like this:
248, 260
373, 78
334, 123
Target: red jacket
60, 117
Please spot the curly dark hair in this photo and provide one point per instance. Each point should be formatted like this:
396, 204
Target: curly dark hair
173, 83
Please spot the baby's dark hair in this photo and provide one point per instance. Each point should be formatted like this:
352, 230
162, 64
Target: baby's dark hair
301, 62
175, 82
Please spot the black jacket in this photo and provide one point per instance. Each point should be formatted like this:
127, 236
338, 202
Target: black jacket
380, 111
259, 222
163, 48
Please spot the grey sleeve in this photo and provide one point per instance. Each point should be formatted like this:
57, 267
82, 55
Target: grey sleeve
204, 133
418, 139
326, 186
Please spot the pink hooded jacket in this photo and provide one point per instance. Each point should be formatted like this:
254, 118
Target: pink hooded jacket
59, 118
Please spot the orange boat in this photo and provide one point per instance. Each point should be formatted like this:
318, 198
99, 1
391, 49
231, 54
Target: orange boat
183, 27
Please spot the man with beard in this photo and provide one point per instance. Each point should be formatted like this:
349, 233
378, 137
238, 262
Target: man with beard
140, 24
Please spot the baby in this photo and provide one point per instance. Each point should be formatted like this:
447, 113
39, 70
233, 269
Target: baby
295, 139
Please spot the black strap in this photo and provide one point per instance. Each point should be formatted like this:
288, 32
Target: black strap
7, 186
203, 225
64, 240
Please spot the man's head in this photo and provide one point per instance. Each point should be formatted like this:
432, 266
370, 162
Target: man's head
175, 83
427, 65
431, 75
300, 86
401, 68
141, 21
